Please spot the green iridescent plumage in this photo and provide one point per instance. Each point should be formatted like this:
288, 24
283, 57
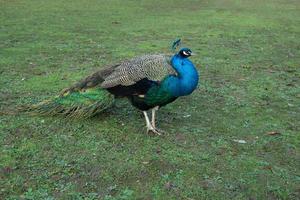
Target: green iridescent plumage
81, 104
158, 95
155, 96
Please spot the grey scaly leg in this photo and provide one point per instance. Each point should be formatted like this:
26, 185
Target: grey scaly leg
153, 121
149, 125
153, 116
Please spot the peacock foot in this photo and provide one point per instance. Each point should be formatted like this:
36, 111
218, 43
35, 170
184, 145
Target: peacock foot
155, 131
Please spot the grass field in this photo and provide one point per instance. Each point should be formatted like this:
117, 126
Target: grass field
248, 53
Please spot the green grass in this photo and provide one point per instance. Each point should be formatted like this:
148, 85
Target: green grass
248, 56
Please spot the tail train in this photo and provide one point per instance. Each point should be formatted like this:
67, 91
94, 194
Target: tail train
74, 103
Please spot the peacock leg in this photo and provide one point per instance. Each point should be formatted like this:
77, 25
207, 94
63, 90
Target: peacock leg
149, 126
153, 120
153, 116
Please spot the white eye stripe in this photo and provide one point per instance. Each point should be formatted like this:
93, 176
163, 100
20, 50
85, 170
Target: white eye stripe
185, 53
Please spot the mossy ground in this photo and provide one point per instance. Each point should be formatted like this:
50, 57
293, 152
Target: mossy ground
248, 56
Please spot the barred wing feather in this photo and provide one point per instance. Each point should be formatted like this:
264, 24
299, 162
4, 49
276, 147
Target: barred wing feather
152, 67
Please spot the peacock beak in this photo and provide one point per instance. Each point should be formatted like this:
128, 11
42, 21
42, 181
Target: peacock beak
193, 54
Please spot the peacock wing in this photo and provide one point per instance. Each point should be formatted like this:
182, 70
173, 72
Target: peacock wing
152, 67
92, 80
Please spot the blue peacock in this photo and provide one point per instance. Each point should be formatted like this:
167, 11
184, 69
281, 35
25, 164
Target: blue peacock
148, 81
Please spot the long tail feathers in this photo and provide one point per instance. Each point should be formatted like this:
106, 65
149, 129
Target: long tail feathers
78, 104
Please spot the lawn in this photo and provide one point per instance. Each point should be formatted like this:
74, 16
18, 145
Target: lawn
236, 137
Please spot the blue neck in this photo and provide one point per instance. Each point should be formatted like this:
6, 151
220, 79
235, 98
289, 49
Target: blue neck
187, 77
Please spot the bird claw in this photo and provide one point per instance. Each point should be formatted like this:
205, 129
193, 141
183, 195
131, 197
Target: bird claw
155, 131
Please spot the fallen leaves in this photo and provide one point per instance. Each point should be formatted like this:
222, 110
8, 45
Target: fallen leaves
273, 133
268, 167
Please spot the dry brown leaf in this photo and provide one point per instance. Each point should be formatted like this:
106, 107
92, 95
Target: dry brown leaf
273, 133
268, 167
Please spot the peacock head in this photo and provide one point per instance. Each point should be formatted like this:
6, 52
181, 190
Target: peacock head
185, 52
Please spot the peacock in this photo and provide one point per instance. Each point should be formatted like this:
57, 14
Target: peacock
148, 81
